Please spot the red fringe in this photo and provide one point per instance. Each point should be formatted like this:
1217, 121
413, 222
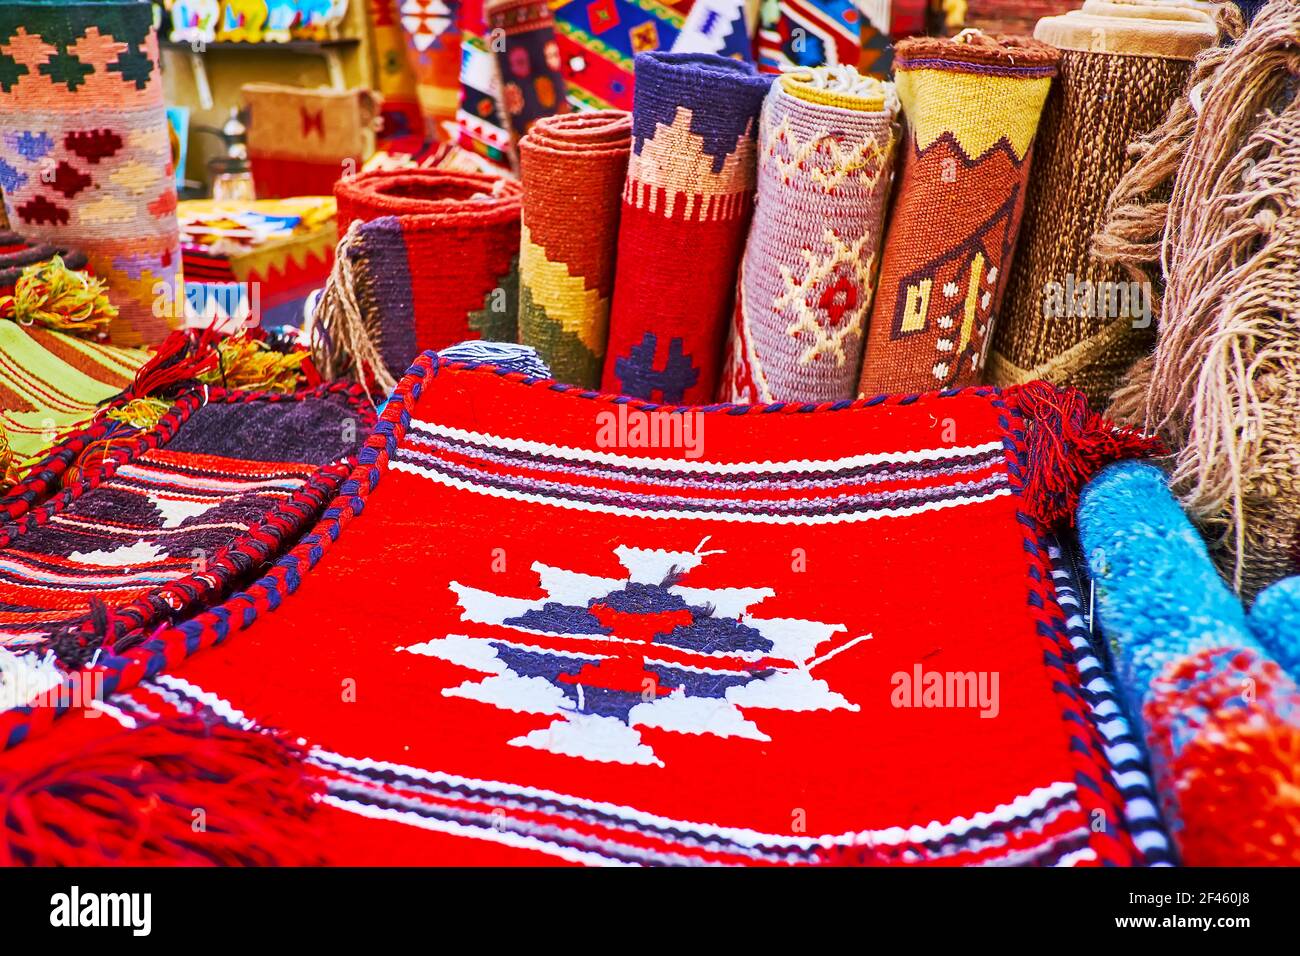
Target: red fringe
180, 358
1068, 444
173, 792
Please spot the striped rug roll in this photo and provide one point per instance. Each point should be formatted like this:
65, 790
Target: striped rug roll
972, 106
825, 146
573, 167
429, 257
85, 158
532, 85
686, 209
1068, 318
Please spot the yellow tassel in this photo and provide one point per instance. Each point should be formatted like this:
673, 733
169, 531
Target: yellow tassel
248, 363
141, 413
50, 294
6, 457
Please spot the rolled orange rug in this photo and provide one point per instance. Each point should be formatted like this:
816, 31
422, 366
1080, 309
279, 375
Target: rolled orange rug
572, 167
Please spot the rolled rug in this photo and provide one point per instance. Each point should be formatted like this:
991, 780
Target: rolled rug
686, 210
1220, 716
972, 106
1274, 619
825, 147
572, 168
85, 159
428, 257
1068, 318
532, 85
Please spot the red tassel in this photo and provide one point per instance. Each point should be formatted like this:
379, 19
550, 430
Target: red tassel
1068, 444
180, 358
173, 792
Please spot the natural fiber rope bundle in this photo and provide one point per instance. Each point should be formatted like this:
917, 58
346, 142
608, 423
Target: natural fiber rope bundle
686, 209
572, 167
429, 257
1221, 718
1223, 385
825, 150
85, 159
972, 105
532, 85
1067, 318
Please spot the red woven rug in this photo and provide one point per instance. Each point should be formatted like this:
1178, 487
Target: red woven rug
522, 635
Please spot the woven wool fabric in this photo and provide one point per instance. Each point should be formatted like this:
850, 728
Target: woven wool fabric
972, 106
665, 686
480, 124
809, 33
572, 168
84, 153
392, 76
1062, 319
435, 262
1219, 714
1274, 620
50, 382
433, 36
686, 209
825, 150
599, 40
717, 26
301, 141
18, 254
532, 84
1221, 385
173, 518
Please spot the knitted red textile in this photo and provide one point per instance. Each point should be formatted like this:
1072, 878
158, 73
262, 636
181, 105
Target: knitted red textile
437, 258
522, 634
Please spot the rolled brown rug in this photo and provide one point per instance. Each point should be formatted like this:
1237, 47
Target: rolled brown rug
1067, 318
572, 167
972, 106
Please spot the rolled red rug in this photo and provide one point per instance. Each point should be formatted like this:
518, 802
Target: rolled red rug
686, 209
431, 260
573, 167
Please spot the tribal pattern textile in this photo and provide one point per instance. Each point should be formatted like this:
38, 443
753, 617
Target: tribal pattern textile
972, 107
717, 26
573, 168
301, 141
600, 703
435, 261
171, 518
85, 158
599, 40
393, 79
532, 84
686, 210
433, 36
809, 33
1220, 716
825, 149
481, 126
50, 382
1068, 318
